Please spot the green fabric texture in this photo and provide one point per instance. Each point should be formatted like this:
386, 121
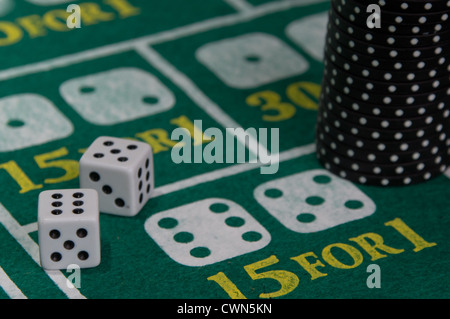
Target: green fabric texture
38, 54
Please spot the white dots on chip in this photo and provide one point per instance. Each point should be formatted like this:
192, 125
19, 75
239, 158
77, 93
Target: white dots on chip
393, 158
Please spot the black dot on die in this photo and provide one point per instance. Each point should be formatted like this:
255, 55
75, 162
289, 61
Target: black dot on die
54, 234
107, 189
56, 257
57, 204
78, 195
57, 212
122, 159
57, 196
115, 151
132, 147
68, 244
83, 255
119, 202
78, 211
108, 143
98, 155
82, 232
94, 176
78, 203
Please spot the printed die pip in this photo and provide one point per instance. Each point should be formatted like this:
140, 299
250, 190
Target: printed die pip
69, 228
121, 170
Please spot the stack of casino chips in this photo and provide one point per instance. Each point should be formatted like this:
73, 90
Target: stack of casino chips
384, 107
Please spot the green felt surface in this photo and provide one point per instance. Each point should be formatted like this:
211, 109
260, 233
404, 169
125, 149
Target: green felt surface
41, 57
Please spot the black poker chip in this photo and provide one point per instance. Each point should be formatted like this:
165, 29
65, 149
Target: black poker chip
405, 6
384, 110
373, 157
381, 38
378, 122
387, 75
387, 64
436, 137
357, 13
381, 106
393, 169
337, 73
385, 103
380, 51
379, 158
391, 22
388, 99
379, 134
333, 134
379, 145
362, 60
379, 179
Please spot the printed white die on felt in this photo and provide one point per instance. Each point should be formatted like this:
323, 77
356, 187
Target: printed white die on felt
29, 119
206, 232
121, 171
251, 60
69, 228
309, 33
313, 201
6, 6
117, 96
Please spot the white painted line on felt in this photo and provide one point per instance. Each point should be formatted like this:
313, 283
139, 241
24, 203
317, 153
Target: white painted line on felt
196, 95
9, 287
239, 5
30, 228
28, 244
229, 171
152, 39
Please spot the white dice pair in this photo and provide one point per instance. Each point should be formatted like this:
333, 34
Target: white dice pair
116, 177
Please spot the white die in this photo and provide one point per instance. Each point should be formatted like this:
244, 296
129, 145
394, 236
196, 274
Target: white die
314, 200
69, 228
121, 170
206, 232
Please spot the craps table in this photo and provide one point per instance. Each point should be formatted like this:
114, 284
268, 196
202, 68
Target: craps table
226, 93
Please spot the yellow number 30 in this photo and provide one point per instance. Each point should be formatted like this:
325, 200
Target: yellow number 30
271, 101
299, 93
